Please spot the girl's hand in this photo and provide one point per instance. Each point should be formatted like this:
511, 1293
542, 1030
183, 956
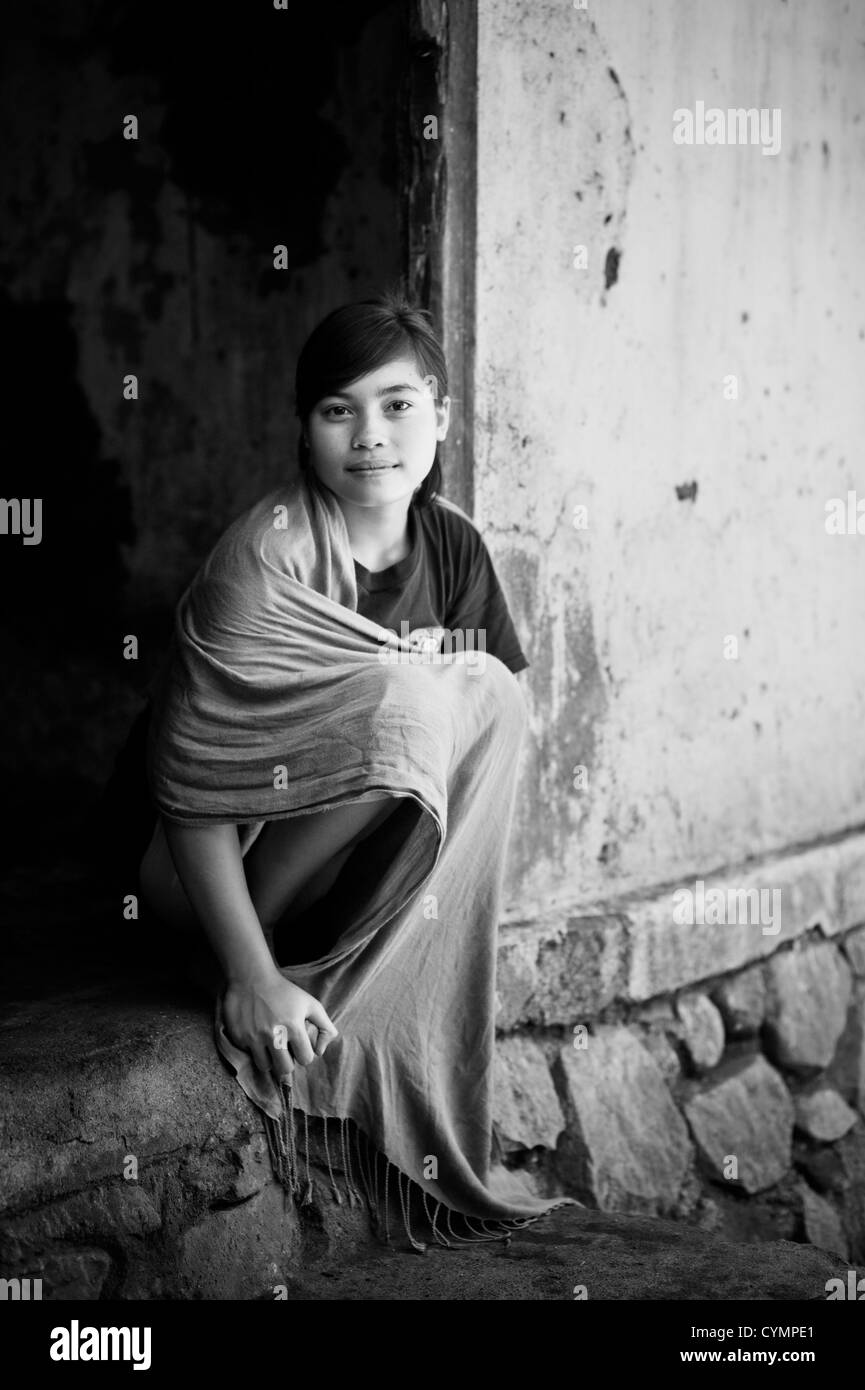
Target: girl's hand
268, 1018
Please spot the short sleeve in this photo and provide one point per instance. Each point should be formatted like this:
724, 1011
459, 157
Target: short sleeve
478, 602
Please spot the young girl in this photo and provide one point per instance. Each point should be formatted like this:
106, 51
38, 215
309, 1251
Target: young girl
337, 728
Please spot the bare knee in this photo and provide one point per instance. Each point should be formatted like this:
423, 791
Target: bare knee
297, 859
372, 814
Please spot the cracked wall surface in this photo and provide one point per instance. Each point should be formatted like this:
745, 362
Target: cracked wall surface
604, 387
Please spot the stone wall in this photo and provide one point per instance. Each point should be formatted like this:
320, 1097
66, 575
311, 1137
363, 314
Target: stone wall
733, 1098
637, 1109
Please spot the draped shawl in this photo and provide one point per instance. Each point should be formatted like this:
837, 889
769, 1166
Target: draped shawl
279, 700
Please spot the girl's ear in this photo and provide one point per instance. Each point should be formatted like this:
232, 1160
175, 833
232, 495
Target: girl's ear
443, 417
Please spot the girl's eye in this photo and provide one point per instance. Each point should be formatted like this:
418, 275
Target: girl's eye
328, 409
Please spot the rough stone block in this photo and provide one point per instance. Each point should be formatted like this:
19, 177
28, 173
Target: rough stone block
809, 892
619, 1258
526, 1109
82, 1091
104, 1213
822, 1224
229, 1171
131, 1209
808, 994
210, 1172
696, 1206
516, 975
775, 1214
846, 1071
854, 950
702, 1030
568, 970
628, 1145
69, 1275
746, 1113
659, 1013
851, 1152
585, 973
253, 1167
668, 955
742, 1002
658, 1044
822, 1167
822, 1114
242, 1252
851, 884
564, 973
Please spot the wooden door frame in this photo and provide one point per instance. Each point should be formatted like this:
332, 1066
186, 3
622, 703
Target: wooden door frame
440, 207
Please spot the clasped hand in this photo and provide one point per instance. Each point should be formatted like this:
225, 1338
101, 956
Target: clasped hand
276, 1022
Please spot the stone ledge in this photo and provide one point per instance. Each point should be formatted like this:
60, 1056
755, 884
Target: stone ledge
88, 1080
623, 1258
130, 1068
571, 968
250, 1253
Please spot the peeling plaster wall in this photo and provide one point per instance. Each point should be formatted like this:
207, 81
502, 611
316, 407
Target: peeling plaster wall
604, 387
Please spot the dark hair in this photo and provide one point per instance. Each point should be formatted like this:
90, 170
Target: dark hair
358, 338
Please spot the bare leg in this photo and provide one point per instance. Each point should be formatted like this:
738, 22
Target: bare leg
161, 888
164, 894
293, 862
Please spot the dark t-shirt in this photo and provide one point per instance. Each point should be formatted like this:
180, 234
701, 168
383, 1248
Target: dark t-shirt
446, 581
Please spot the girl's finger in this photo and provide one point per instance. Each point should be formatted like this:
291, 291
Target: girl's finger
317, 1015
300, 1045
324, 1040
283, 1065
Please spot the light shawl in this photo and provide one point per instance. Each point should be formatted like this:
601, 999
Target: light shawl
280, 699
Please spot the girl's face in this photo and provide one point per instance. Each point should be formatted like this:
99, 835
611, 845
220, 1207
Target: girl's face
374, 442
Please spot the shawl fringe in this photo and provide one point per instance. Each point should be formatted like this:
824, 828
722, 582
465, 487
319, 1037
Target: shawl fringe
376, 1172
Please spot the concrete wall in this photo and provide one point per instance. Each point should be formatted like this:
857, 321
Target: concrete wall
605, 387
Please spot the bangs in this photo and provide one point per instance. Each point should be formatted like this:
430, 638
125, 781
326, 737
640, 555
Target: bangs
357, 339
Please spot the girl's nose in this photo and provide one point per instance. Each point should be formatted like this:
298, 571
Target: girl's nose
368, 433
